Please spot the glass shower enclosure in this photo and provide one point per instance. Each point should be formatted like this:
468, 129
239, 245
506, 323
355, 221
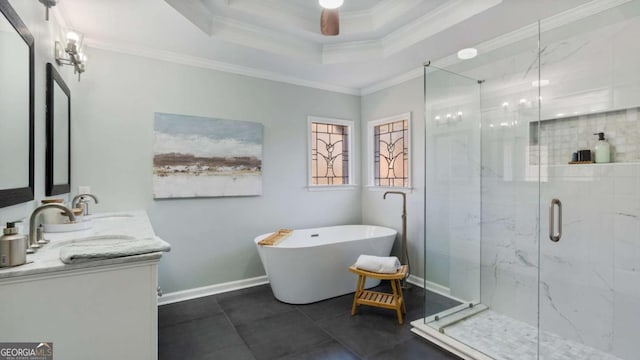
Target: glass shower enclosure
532, 251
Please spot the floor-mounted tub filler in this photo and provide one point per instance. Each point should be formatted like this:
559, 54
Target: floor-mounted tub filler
311, 265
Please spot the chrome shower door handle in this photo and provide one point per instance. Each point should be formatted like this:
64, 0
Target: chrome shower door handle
555, 236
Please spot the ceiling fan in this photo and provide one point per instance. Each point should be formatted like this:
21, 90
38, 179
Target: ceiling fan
329, 18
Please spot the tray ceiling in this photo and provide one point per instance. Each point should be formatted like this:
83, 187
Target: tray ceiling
281, 40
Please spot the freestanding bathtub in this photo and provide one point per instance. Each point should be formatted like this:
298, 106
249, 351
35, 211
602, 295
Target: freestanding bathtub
311, 264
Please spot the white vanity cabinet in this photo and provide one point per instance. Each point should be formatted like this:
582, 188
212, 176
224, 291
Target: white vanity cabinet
95, 310
105, 312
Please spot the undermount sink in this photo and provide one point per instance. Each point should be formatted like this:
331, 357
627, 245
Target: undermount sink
91, 239
67, 227
107, 216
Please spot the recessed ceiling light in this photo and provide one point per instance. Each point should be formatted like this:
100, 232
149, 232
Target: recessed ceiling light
330, 4
468, 53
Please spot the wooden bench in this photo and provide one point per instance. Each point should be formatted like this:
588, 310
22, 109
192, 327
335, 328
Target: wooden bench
395, 300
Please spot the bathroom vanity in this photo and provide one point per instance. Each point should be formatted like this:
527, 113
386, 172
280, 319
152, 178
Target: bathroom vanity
99, 309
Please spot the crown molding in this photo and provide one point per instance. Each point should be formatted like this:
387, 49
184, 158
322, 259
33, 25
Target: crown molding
579, 12
387, 11
200, 62
333, 52
196, 12
396, 80
290, 14
435, 21
355, 51
550, 23
258, 37
378, 16
299, 37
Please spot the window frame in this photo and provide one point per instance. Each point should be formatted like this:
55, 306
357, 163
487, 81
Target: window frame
371, 149
350, 174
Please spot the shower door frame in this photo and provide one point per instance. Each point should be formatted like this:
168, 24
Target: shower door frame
469, 302
547, 235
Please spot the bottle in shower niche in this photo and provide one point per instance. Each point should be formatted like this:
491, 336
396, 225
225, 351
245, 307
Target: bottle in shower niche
602, 150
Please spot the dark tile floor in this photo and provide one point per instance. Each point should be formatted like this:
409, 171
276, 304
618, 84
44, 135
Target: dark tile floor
252, 324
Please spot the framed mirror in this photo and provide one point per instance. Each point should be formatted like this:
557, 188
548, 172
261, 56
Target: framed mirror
16, 108
58, 167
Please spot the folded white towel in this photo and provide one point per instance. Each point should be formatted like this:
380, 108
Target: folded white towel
379, 264
110, 248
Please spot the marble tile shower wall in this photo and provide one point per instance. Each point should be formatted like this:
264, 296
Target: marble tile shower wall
559, 138
590, 276
453, 205
509, 248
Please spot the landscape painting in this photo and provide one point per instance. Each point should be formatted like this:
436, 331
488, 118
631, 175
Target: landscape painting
206, 157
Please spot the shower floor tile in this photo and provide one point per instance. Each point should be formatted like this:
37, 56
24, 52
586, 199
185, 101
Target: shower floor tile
504, 338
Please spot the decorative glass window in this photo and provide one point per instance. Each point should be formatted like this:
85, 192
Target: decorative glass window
389, 154
330, 147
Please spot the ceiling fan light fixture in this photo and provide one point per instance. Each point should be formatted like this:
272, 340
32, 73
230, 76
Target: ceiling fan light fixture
330, 4
330, 22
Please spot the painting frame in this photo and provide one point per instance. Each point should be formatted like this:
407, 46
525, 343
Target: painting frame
195, 156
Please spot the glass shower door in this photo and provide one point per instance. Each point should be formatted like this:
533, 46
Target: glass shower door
482, 202
530, 252
590, 224
508, 329
452, 197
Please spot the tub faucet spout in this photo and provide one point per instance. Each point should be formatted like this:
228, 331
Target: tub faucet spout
404, 201
404, 256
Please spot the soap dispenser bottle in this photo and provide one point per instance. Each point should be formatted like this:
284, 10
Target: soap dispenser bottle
602, 150
13, 247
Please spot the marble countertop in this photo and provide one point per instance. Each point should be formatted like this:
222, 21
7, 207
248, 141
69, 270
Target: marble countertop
128, 224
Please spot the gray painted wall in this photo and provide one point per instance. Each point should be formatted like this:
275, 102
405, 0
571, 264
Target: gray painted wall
212, 238
405, 97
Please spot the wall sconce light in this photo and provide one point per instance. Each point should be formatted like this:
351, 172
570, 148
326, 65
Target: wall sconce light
48, 4
449, 118
75, 55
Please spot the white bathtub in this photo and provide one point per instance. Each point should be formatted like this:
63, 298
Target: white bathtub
312, 264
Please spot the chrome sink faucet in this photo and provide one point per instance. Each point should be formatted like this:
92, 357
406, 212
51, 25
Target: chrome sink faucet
82, 199
34, 242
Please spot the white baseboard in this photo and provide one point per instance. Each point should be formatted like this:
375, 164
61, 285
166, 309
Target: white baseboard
189, 294
415, 281
431, 286
195, 293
